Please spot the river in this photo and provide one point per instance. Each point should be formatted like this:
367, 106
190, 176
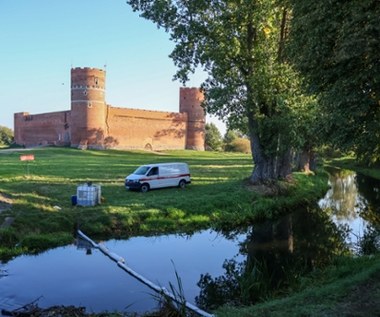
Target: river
269, 255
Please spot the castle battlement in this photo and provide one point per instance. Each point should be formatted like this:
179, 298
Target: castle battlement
88, 68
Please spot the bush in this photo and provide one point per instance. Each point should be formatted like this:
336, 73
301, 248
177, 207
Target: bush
6, 136
242, 145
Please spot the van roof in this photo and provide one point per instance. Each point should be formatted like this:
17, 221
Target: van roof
163, 164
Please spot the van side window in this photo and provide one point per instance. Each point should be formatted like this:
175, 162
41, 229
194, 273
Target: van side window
153, 171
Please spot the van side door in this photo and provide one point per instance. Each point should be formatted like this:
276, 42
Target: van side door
152, 177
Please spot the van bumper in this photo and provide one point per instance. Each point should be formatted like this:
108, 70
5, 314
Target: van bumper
132, 185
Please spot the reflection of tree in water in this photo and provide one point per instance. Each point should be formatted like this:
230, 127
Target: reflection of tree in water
370, 188
355, 202
343, 197
278, 254
370, 242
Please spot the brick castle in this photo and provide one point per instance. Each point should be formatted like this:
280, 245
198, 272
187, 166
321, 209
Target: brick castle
92, 123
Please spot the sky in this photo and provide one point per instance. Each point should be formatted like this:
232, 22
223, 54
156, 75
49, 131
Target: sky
41, 40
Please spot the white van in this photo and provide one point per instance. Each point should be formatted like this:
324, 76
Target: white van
161, 175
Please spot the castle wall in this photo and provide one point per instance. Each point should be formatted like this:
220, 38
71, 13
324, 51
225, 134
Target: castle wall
144, 129
42, 129
92, 123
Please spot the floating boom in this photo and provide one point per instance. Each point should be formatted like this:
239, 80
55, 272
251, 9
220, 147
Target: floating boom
121, 263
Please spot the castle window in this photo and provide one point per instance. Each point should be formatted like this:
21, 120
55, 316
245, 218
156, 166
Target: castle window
85, 92
96, 80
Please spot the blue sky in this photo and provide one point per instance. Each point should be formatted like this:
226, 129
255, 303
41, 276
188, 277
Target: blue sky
40, 40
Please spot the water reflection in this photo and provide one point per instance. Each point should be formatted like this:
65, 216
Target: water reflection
81, 276
277, 254
354, 202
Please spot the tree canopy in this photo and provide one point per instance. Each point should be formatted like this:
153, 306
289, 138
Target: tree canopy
213, 138
240, 44
336, 45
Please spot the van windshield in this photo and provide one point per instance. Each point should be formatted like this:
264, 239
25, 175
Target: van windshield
141, 170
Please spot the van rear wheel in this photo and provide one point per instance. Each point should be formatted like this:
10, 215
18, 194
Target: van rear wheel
182, 184
144, 188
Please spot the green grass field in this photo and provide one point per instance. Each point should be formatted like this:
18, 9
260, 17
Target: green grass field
218, 196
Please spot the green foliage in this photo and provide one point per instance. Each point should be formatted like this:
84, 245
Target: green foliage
37, 242
236, 141
240, 45
6, 136
230, 136
242, 145
213, 138
336, 44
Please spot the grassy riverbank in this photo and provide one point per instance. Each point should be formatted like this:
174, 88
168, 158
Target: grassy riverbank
42, 215
350, 163
349, 287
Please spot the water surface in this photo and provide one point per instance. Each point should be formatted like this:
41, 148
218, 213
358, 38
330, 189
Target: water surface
77, 276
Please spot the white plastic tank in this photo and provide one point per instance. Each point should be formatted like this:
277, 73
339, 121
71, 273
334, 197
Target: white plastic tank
88, 194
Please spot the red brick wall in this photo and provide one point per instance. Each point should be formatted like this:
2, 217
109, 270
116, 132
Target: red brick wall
42, 129
144, 129
190, 101
88, 106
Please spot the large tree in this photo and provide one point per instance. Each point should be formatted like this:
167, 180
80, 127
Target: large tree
336, 44
240, 44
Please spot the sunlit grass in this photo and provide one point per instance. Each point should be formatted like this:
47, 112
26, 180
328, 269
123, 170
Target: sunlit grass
218, 195
350, 163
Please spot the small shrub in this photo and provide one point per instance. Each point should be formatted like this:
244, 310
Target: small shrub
40, 242
242, 145
6, 136
8, 237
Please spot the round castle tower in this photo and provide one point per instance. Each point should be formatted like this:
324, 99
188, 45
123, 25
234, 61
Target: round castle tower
190, 100
88, 107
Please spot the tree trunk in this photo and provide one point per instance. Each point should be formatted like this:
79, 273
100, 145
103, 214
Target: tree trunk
267, 169
306, 161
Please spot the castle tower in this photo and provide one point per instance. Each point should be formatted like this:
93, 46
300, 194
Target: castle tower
88, 107
190, 101
18, 122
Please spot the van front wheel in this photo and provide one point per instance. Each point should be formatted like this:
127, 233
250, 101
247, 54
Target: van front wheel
182, 184
144, 188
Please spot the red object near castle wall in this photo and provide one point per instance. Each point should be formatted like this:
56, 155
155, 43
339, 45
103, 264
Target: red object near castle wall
27, 157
